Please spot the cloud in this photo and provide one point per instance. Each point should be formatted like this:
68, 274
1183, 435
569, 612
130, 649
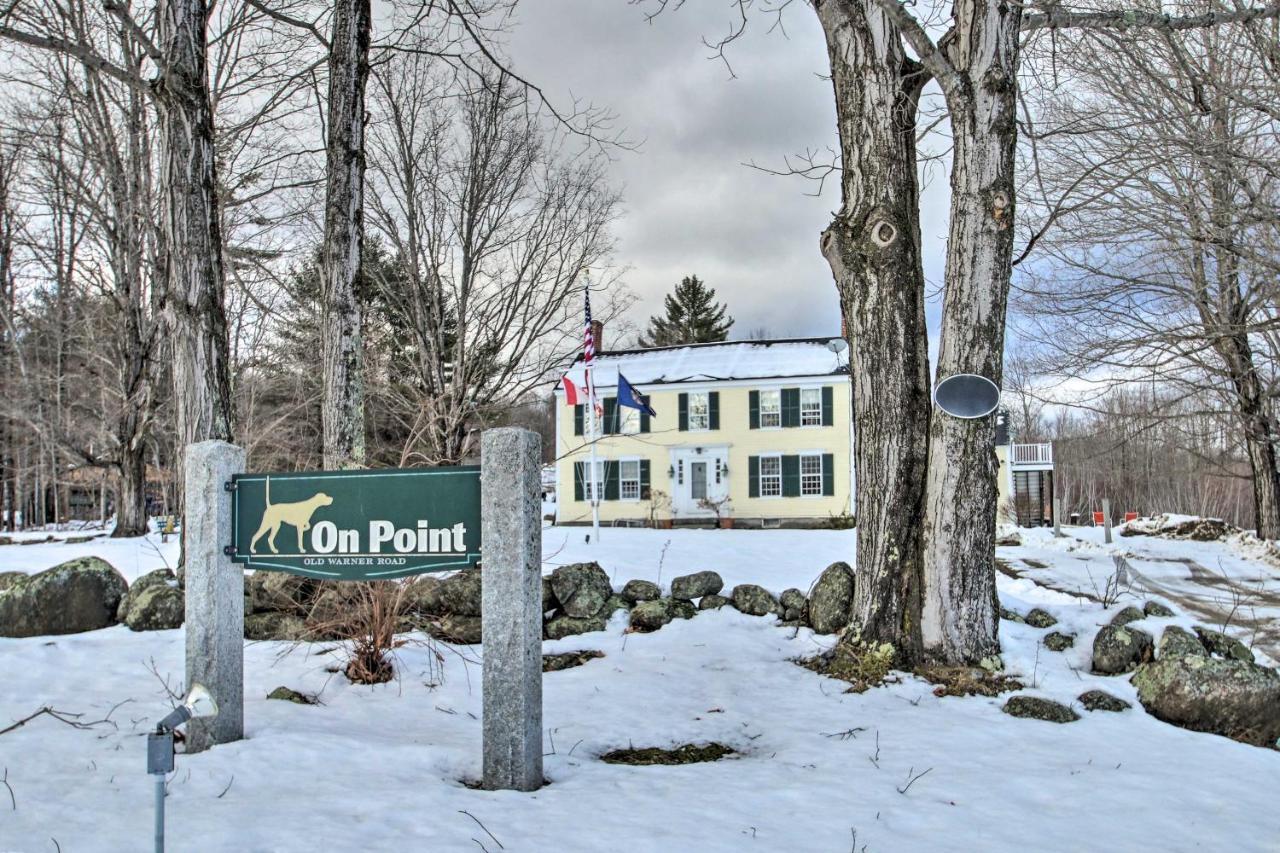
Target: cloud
691, 204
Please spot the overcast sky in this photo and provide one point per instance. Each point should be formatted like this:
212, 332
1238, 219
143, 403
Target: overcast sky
691, 206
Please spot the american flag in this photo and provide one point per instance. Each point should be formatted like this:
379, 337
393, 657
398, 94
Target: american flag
589, 354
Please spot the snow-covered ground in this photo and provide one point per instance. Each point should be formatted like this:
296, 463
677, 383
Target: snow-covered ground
1232, 585
384, 768
132, 557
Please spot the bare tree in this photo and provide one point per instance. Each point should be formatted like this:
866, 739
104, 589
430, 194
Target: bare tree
873, 248
157, 206
11, 224
342, 408
1152, 450
1022, 384
1164, 246
492, 224
190, 228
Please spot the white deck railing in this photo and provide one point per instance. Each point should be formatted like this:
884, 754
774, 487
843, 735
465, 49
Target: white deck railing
1033, 454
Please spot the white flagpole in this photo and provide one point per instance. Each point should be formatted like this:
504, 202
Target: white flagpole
595, 482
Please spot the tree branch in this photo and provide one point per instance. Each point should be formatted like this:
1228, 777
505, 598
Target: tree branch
1058, 18
291, 21
931, 56
136, 31
82, 52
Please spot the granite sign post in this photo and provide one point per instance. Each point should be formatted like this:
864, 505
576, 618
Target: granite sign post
215, 593
511, 608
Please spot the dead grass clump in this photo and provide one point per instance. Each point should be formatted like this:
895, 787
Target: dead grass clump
568, 660
689, 753
367, 616
967, 681
862, 663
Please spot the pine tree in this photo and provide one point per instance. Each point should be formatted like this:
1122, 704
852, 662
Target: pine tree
693, 317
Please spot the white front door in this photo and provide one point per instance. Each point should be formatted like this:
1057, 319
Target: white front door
701, 482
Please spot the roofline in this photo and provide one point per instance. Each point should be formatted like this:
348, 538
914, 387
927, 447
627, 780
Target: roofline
819, 340
741, 381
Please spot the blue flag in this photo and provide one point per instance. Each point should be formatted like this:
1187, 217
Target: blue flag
632, 399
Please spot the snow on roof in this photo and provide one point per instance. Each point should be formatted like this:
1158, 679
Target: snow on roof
721, 361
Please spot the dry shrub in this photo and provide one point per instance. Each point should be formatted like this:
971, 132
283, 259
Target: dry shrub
862, 663
367, 616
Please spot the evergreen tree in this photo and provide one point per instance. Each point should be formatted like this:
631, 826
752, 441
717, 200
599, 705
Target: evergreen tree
693, 317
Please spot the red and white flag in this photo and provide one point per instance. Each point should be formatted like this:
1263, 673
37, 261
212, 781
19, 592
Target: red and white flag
570, 392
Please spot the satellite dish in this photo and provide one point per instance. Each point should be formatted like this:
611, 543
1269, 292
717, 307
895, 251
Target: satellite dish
967, 395
837, 345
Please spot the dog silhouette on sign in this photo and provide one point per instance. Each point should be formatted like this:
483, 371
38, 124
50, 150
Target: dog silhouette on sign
297, 514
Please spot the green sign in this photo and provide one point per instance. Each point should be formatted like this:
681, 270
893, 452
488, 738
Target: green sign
358, 525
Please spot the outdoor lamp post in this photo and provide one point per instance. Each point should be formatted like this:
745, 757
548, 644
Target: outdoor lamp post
199, 703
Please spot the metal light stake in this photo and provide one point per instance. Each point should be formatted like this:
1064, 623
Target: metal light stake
199, 703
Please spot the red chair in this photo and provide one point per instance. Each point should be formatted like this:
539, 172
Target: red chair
1098, 518
1130, 516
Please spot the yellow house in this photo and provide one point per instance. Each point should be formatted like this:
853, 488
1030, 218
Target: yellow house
749, 434
1024, 479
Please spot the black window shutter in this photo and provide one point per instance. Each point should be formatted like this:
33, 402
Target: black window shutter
610, 415
684, 412
644, 416
754, 418
644, 479
828, 395
579, 480
828, 475
791, 476
791, 407
753, 476
611, 481
713, 410
577, 420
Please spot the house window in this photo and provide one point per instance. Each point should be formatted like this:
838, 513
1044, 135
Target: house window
629, 479
770, 476
770, 408
810, 407
628, 420
588, 481
699, 410
811, 474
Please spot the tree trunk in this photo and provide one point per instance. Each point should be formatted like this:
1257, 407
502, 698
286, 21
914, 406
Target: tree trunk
873, 247
1262, 457
961, 612
1228, 322
131, 505
342, 410
192, 236
129, 242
